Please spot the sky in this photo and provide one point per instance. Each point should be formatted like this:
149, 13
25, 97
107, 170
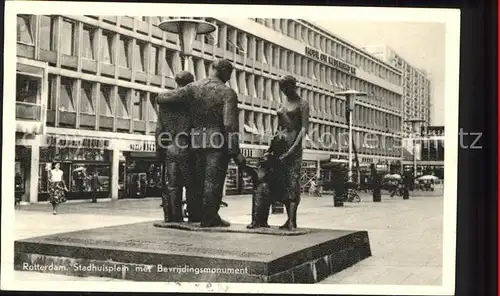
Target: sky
421, 44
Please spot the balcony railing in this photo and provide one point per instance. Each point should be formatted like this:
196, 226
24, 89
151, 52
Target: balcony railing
28, 111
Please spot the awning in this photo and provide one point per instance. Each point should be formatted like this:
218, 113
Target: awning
29, 127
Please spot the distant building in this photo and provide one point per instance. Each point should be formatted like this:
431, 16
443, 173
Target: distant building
429, 146
416, 85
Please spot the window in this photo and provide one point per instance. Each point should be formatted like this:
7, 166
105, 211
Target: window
123, 56
67, 103
138, 104
86, 98
154, 60
122, 108
152, 109
169, 63
27, 89
139, 56
105, 107
88, 43
68, 38
260, 51
24, 29
106, 47
51, 92
47, 31
81, 183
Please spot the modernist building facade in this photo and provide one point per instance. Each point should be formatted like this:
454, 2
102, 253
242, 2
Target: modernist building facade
416, 85
85, 89
429, 144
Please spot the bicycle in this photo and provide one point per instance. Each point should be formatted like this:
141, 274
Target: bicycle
353, 196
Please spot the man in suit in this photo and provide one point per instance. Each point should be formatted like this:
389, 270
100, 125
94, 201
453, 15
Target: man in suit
214, 111
172, 148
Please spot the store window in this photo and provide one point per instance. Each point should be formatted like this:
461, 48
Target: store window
106, 47
86, 98
67, 99
68, 38
25, 29
88, 42
106, 106
122, 109
47, 32
139, 50
123, 52
82, 174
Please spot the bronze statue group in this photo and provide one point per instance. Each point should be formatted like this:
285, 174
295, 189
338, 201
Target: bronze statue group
197, 136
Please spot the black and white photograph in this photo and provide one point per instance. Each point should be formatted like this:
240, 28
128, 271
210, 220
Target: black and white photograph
230, 148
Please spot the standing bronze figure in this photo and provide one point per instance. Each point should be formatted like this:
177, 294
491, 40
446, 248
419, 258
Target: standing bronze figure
214, 136
172, 148
293, 124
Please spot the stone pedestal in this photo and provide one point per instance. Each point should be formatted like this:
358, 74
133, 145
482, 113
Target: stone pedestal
141, 252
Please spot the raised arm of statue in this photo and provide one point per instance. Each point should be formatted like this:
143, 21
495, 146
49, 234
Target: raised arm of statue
179, 95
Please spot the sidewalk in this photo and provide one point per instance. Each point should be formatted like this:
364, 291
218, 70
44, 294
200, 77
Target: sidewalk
405, 235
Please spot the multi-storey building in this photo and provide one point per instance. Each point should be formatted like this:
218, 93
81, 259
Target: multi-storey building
96, 76
416, 85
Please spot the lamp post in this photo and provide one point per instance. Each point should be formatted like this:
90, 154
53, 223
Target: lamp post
187, 29
415, 124
350, 103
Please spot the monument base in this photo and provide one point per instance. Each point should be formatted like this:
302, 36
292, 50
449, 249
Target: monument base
238, 228
141, 252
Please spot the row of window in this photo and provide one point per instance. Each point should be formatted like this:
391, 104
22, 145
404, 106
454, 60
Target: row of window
146, 57
108, 100
243, 82
306, 32
97, 98
259, 127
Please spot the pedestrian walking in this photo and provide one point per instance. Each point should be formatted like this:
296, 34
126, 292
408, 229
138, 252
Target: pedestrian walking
95, 185
57, 187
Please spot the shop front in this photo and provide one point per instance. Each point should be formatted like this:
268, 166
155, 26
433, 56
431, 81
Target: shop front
82, 159
139, 171
21, 171
238, 181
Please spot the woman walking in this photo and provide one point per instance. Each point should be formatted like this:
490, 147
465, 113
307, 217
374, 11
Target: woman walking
57, 188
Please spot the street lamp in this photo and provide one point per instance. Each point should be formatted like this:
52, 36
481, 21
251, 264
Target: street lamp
415, 123
350, 102
187, 29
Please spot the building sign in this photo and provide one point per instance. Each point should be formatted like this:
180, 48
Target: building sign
432, 131
143, 146
69, 141
254, 153
336, 63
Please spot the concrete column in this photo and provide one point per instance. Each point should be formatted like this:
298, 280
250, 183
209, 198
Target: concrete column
32, 189
115, 167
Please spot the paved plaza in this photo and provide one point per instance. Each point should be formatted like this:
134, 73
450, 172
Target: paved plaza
405, 235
